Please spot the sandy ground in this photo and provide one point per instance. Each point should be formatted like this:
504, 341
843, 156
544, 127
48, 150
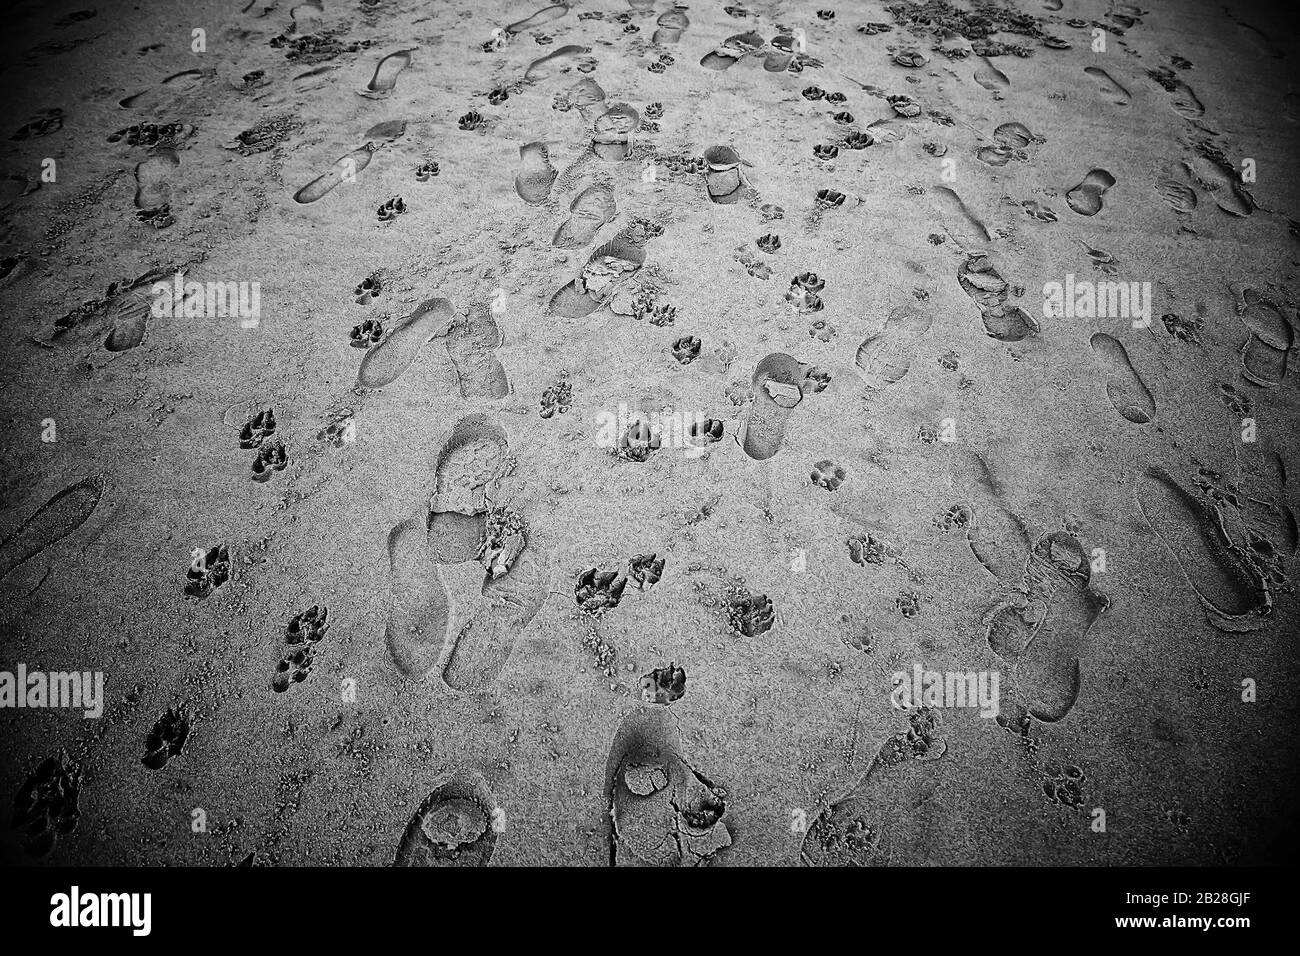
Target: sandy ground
914, 466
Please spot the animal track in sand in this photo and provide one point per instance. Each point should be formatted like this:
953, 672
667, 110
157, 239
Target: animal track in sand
536, 174
456, 825
167, 738
390, 209
345, 169
855, 829
885, 357
471, 345
303, 632
384, 80
557, 398
749, 615
153, 193
1225, 575
826, 474
1124, 386
366, 334
590, 209
1108, 86
386, 362
1265, 355
45, 806
662, 811
53, 521
663, 685
599, 591
208, 570
271, 457
257, 429
1086, 198
645, 570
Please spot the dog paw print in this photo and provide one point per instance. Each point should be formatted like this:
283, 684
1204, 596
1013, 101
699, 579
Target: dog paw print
663, 685
340, 430
771, 212
45, 806
836, 98
368, 289
858, 140
366, 334
471, 121
272, 456
167, 738
826, 151
825, 14
867, 549
1184, 329
208, 571
904, 105
159, 218
498, 96
750, 614
769, 243
705, 432
928, 434
803, 290
822, 331
935, 239
653, 111
871, 29
543, 39
1239, 403
813, 93
686, 349
638, 442
949, 361
829, 198
955, 516
738, 12
826, 474
843, 118
646, 570
908, 603
258, 428
631, 28
301, 635
912, 59
426, 171
599, 591
1066, 787
657, 67
391, 209
816, 379
557, 398
505, 535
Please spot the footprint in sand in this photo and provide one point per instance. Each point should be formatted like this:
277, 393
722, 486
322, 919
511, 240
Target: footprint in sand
1180, 197
609, 267
671, 25
585, 96
384, 80
991, 78
732, 50
986, 287
153, 191
723, 178
420, 610
536, 174
345, 169
1264, 357
612, 136
127, 314
860, 826
1043, 631
886, 356
1085, 198
779, 384
997, 536
966, 229
456, 825
1216, 176
544, 15
662, 811
384, 363
559, 61
471, 345
1124, 386
1181, 98
1108, 86
175, 85
1227, 577
56, 519
590, 210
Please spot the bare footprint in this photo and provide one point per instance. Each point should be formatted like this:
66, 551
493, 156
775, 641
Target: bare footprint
386, 362
1124, 386
53, 521
1227, 580
456, 825
1086, 198
886, 356
662, 811
536, 174
1108, 86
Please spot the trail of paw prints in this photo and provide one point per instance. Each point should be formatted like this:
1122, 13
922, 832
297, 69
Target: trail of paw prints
854, 829
53, 521
662, 810
301, 635
45, 806
456, 825
154, 136
167, 738
258, 433
1234, 569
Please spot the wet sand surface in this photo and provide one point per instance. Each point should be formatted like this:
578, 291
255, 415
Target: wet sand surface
605, 401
